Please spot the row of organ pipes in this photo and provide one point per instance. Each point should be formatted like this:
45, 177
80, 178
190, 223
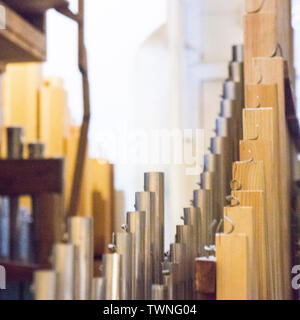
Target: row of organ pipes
137, 267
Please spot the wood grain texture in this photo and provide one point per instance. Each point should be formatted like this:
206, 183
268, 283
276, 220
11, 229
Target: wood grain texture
259, 124
271, 71
244, 222
233, 271
261, 95
20, 41
248, 175
256, 200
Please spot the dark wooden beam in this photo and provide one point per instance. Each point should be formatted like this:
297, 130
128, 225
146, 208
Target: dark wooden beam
31, 177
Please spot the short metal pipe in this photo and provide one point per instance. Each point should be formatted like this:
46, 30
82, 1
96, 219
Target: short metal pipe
44, 284
81, 230
63, 264
124, 247
145, 201
112, 276
98, 288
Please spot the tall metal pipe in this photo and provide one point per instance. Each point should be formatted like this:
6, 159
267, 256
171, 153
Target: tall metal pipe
136, 225
124, 247
81, 230
63, 263
192, 217
98, 289
154, 182
15, 145
145, 201
112, 276
184, 234
44, 284
203, 200
36, 150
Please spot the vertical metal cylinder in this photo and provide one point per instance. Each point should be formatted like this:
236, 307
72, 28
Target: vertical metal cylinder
154, 182
167, 279
112, 276
145, 201
159, 292
15, 144
178, 270
238, 53
203, 200
228, 108
81, 230
192, 217
63, 263
44, 285
233, 90
4, 228
36, 150
136, 226
124, 246
184, 235
98, 289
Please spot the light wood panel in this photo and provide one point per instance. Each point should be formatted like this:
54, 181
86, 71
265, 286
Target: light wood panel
244, 222
271, 71
53, 116
248, 175
20, 99
233, 271
256, 200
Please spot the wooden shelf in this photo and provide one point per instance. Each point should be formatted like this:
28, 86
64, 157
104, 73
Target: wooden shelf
18, 271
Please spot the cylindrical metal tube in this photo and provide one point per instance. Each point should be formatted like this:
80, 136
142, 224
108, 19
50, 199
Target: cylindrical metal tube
192, 217
184, 235
44, 285
203, 200
223, 147
154, 182
81, 230
124, 246
136, 226
178, 269
233, 90
228, 108
238, 53
145, 201
167, 278
212, 162
63, 263
4, 228
236, 71
112, 276
159, 292
36, 150
15, 144
98, 289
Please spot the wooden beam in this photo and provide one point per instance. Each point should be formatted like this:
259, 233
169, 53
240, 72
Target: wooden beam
244, 222
256, 200
233, 271
31, 177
